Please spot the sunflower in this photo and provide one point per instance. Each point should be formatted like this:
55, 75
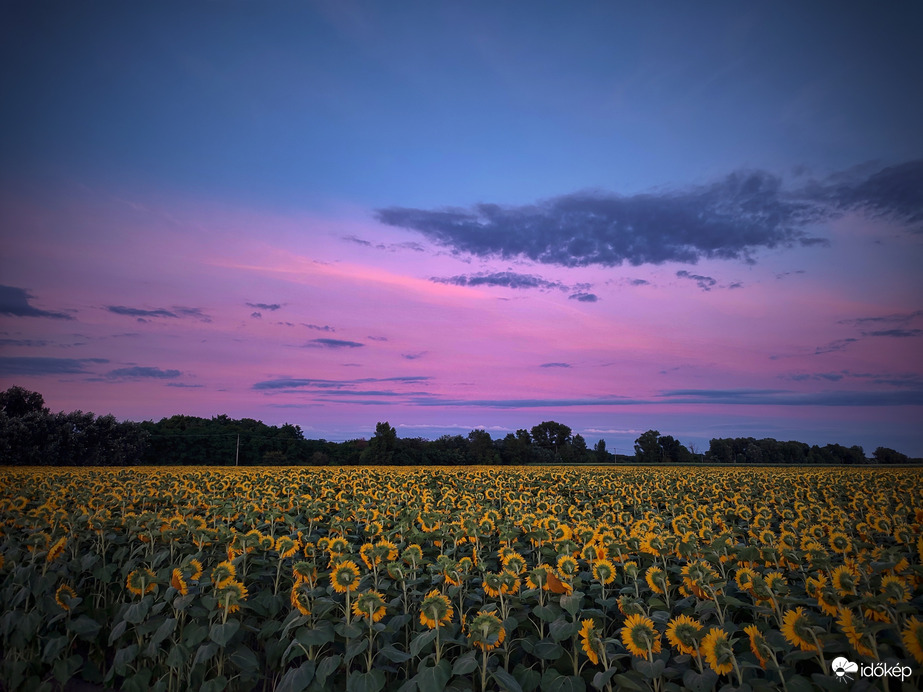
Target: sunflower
485, 631
683, 634
286, 546
54, 552
656, 579
758, 645
514, 562
196, 569
491, 584
178, 582
895, 589
844, 580
300, 597
796, 627
603, 571
230, 595
567, 568
589, 640
345, 576
223, 573
839, 542
303, 571
63, 596
435, 610
538, 577
857, 634
716, 646
912, 636
630, 605
640, 636
141, 581
412, 555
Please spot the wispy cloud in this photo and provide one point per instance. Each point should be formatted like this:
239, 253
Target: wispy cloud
333, 343
15, 303
175, 312
706, 283
584, 297
301, 383
37, 365
271, 307
730, 219
139, 372
506, 279
554, 365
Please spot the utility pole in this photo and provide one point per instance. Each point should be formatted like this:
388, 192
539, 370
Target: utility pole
237, 455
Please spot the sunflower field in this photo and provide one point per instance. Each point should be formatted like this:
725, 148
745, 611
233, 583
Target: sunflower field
529, 578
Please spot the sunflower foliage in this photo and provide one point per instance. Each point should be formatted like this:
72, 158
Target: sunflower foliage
462, 579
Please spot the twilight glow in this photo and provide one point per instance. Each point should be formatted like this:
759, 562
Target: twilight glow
702, 220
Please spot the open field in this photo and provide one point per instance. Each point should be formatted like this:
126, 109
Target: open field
434, 578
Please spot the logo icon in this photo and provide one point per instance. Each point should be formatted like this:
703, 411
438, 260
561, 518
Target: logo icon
842, 667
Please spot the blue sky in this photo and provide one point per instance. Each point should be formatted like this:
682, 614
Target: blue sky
742, 180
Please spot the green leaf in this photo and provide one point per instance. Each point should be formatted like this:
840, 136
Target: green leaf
165, 630
435, 678
422, 640
797, 683
528, 679
568, 683
372, 681
355, 648
54, 647
84, 627
506, 681
572, 602
137, 612
546, 613
550, 651
217, 684
465, 664
243, 658
313, 637
297, 679
700, 682
204, 653
625, 681
66, 668
139, 682
177, 657
222, 634
602, 677
395, 655
350, 631
194, 634
124, 657
561, 629
328, 666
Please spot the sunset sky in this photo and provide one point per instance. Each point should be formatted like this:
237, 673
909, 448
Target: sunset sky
701, 219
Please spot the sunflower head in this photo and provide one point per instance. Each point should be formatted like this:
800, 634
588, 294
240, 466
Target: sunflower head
640, 636
300, 597
223, 573
589, 640
758, 645
604, 571
683, 633
796, 627
656, 578
370, 605
435, 610
64, 596
345, 576
141, 581
230, 595
716, 646
178, 581
485, 631
286, 546
912, 636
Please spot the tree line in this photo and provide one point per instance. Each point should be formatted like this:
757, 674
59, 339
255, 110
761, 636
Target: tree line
31, 435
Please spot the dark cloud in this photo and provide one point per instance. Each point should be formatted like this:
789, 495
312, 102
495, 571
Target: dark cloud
175, 312
272, 307
414, 356
897, 319
320, 327
899, 333
729, 219
735, 284
28, 343
772, 397
784, 274
256, 315
377, 338
640, 282
834, 346
333, 343
803, 376
185, 385
15, 303
554, 365
356, 240
706, 283
507, 279
28, 365
299, 383
138, 372
584, 297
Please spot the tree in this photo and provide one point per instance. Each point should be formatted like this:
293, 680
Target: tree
381, 446
480, 447
886, 455
551, 435
19, 401
648, 449
602, 456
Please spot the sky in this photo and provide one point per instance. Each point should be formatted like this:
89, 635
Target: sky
700, 218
